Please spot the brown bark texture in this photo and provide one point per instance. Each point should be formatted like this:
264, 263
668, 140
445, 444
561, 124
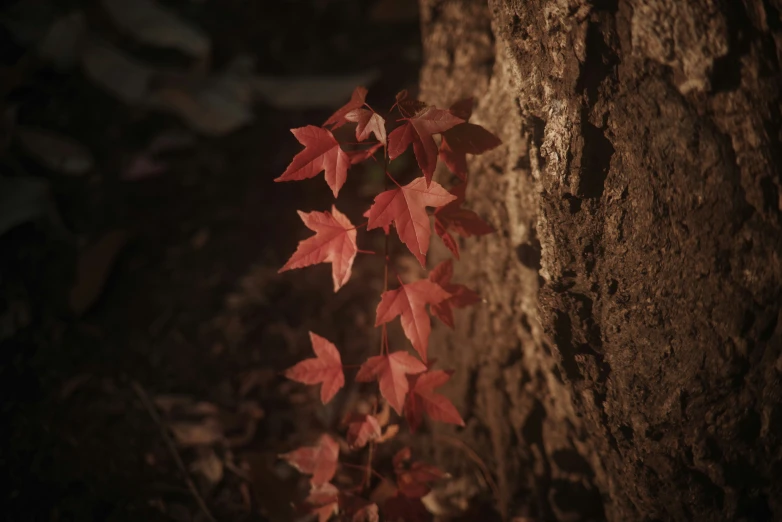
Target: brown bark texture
627, 362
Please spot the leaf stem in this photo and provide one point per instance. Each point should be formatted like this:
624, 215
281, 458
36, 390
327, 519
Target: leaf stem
392, 179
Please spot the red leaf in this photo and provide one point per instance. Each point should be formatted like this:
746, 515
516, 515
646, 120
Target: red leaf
461, 220
461, 296
356, 100
369, 122
448, 240
466, 138
357, 156
413, 480
418, 130
366, 514
362, 429
334, 242
462, 109
320, 461
402, 508
409, 302
324, 500
321, 152
405, 206
422, 398
326, 368
408, 106
390, 371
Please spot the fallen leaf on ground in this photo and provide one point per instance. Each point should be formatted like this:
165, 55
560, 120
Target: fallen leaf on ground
208, 465
63, 42
323, 501
151, 24
124, 78
55, 151
24, 199
95, 265
202, 433
310, 92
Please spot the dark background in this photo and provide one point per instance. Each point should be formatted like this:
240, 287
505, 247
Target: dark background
145, 245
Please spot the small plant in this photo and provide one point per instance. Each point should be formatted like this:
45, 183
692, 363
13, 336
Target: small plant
406, 383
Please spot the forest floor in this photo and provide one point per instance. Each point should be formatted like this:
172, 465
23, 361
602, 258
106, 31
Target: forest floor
164, 287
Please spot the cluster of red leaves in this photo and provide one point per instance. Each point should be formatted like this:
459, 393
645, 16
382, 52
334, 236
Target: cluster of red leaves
406, 382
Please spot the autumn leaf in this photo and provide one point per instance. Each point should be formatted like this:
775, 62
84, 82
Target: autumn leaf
390, 371
369, 122
464, 222
362, 429
357, 156
408, 106
320, 460
406, 208
409, 303
324, 501
465, 138
413, 478
326, 368
422, 399
321, 153
460, 295
334, 242
357, 99
419, 131
366, 514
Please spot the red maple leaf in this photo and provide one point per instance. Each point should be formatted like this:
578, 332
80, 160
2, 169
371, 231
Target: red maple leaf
390, 371
321, 152
408, 106
357, 99
401, 508
409, 302
461, 220
362, 429
465, 138
326, 368
320, 460
413, 479
366, 514
419, 131
357, 156
369, 122
422, 398
405, 207
461, 296
334, 242
324, 501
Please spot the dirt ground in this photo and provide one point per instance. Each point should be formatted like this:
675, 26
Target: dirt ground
192, 314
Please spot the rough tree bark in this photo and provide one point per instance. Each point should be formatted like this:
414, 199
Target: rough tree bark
627, 363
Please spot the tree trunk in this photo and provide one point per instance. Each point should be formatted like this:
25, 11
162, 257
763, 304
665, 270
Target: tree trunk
627, 363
